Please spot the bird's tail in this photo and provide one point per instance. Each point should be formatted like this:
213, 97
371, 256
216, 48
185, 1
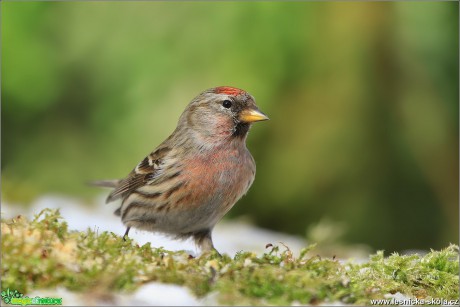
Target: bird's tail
105, 183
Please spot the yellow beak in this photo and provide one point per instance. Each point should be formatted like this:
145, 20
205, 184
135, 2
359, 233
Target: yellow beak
252, 115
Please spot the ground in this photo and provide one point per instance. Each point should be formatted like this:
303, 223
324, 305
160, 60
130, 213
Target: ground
46, 256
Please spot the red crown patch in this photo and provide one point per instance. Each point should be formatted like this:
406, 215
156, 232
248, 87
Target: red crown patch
233, 91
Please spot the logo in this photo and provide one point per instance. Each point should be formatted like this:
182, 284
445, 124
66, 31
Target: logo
14, 297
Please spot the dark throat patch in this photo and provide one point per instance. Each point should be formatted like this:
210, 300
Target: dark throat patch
241, 130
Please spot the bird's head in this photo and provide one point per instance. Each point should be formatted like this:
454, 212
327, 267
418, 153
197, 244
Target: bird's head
222, 113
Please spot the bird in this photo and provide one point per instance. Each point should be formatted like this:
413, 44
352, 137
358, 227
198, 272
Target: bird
187, 184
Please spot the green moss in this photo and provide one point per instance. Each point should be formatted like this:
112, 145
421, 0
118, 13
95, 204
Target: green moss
43, 253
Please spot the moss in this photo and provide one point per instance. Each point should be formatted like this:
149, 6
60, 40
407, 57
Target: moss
43, 253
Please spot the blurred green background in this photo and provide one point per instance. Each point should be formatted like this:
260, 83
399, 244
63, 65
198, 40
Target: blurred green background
362, 97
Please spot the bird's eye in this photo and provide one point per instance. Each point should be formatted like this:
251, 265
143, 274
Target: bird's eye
227, 104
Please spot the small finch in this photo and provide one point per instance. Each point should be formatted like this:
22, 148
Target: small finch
192, 179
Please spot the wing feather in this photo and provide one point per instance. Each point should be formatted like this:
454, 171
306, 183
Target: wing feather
147, 170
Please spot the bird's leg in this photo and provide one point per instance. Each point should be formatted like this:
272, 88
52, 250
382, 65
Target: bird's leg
126, 233
204, 240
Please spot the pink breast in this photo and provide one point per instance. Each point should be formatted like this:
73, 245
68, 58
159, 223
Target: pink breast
221, 176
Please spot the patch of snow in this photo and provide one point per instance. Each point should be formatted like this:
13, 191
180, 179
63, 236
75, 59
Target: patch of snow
158, 294
151, 294
399, 299
229, 237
